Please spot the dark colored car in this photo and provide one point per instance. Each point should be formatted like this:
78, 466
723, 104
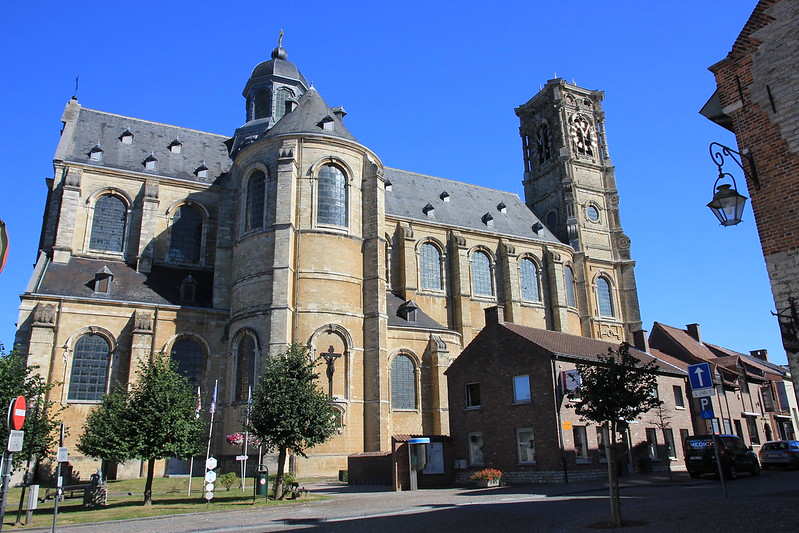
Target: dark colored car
700, 457
779, 453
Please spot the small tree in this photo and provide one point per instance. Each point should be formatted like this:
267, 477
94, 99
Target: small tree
290, 413
154, 420
615, 389
41, 422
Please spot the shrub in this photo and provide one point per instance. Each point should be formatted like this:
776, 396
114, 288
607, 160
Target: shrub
488, 474
228, 480
288, 479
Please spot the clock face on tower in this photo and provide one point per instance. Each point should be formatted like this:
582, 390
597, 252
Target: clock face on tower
582, 135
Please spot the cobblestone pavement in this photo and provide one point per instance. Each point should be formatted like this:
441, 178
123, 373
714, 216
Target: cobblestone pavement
653, 503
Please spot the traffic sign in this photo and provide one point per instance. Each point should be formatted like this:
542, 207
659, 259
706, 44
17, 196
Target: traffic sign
242, 457
706, 408
16, 412
209, 495
15, 439
701, 380
63, 454
210, 463
210, 476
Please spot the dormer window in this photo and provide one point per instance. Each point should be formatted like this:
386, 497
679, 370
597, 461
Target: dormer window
201, 171
488, 220
291, 104
96, 153
537, 227
326, 123
444, 196
389, 186
126, 137
502, 208
188, 290
429, 210
102, 280
150, 162
407, 311
175, 146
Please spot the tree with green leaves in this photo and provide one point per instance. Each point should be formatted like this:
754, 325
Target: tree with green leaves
290, 412
614, 390
154, 419
41, 421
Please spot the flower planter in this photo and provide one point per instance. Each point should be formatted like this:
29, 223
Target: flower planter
485, 483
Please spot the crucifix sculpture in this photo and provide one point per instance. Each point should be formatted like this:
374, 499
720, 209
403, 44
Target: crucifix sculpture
330, 358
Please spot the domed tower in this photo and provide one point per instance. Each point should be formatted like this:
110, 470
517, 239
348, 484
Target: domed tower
302, 222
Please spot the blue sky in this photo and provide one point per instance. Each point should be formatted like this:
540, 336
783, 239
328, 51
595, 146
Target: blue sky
431, 88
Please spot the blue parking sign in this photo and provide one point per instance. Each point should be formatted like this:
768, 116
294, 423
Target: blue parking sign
706, 408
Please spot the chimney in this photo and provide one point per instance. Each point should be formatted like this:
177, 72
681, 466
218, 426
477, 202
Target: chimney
495, 315
339, 112
693, 331
640, 340
760, 354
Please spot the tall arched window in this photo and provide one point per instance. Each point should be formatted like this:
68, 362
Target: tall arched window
482, 284
332, 203
430, 267
568, 280
108, 224
245, 367
263, 104
186, 235
403, 383
543, 144
256, 199
89, 377
528, 278
281, 95
604, 297
189, 356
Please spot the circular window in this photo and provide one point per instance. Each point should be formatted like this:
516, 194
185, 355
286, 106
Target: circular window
593, 213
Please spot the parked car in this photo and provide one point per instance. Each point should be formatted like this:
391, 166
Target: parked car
735, 456
779, 453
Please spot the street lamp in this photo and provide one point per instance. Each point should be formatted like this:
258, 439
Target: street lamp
728, 203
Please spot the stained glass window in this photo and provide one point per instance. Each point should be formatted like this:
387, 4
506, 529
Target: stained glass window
281, 95
188, 354
481, 275
568, 279
430, 267
403, 383
256, 198
108, 224
186, 235
263, 104
332, 203
604, 297
89, 375
528, 277
245, 367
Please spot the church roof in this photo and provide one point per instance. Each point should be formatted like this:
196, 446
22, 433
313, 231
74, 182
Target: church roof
148, 139
310, 116
278, 67
461, 205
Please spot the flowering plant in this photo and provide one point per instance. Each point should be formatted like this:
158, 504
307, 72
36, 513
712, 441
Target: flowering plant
488, 474
237, 439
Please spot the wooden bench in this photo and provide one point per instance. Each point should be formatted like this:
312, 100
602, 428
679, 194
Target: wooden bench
68, 491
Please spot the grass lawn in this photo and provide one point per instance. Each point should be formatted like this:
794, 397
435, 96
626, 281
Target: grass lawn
125, 500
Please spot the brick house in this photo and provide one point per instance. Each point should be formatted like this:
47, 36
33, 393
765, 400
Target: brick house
755, 98
751, 397
507, 410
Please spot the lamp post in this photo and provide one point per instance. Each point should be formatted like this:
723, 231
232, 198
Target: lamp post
728, 203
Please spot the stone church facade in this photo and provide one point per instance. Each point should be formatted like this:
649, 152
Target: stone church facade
222, 250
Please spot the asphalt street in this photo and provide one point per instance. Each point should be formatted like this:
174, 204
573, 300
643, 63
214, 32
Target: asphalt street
650, 503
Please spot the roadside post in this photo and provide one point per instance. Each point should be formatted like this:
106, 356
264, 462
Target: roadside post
17, 409
61, 458
703, 388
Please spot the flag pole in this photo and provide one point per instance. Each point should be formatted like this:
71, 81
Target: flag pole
246, 437
211, 426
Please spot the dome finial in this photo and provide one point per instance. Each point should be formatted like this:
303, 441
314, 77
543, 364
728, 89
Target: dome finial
279, 52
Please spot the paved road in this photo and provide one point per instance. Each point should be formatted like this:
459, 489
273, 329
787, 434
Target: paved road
655, 504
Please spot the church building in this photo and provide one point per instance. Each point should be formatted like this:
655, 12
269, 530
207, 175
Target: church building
220, 250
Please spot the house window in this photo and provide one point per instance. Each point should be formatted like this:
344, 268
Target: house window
727, 426
580, 443
481, 275
679, 399
263, 104
89, 376
714, 424
601, 442
403, 383
282, 101
668, 439
604, 297
108, 224
188, 355
528, 277
473, 396
652, 442
245, 368
186, 234
683, 435
521, 389
256, 199
568, 279
332, 202
430, 267
525, 445
751, 425
475, 448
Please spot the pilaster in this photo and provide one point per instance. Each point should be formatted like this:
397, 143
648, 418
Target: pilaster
70, 197
511, 291
461, 287
149, 217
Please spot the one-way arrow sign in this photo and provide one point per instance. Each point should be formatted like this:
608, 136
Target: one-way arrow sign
701, 380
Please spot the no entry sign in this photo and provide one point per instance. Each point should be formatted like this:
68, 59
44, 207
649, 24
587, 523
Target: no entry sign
16, 413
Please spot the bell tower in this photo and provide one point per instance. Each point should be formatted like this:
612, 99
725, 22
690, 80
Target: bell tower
569, 183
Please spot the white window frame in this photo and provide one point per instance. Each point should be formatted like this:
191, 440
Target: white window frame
581, 448
522, 444
476, 457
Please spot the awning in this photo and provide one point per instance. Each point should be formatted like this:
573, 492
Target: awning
749, 413
782, 416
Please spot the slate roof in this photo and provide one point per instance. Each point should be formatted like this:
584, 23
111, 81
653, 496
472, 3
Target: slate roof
97, 127
277, 67
468, 204
423, 321
160, 287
